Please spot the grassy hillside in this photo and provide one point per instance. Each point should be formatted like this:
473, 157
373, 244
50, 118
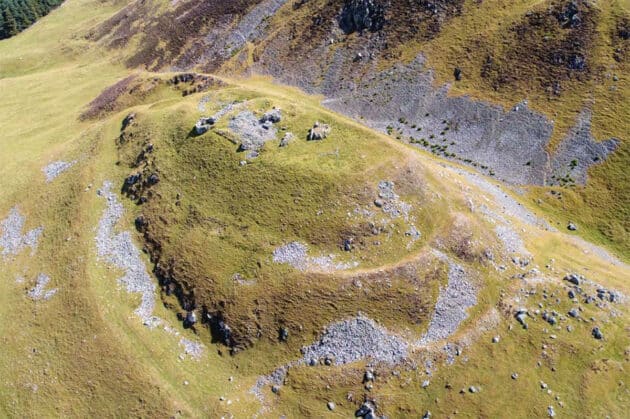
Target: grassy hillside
84, 353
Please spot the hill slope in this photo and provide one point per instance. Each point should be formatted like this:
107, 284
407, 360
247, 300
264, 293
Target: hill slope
562, 62
153, 267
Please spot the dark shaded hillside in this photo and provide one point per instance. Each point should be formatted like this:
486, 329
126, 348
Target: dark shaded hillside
17, 15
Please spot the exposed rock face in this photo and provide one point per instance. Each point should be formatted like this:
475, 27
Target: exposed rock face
360, 15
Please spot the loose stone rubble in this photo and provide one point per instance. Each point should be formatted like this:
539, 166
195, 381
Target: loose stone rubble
56, 168
452, 304
252, 132
12, 241
191, 348
354, 339
119, 250
296, 255
39, 292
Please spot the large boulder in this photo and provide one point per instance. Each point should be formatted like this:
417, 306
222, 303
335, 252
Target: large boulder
318, 132
203, 125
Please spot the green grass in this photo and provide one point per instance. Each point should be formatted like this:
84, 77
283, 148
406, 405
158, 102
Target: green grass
89, 356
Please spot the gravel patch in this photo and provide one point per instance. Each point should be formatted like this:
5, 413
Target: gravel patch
596, 250
12, 241
276, 378
56, 168
201, 105
512, 241
251, 26
509, 206
252, 132
342, 342
452, 304
119, 250
191, 348
39, 292
391, 202
578, 152
510, 144
354, 339
296, 255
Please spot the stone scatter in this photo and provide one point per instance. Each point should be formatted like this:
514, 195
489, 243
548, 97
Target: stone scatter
54, 169
119, 250
39, 292
296, 255
12, 241
452, 304
357, 338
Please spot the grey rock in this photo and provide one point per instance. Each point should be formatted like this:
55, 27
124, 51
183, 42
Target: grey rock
425, 383
457, 73
551, 412
56, 168
283, 334
496, 339
357, 338
368, 376
296, 255
473, 389
286, 139
514, 376
39, 292
597, 334
331, 406
521, 316
128, 120
193, 349
571, 227
452, 304
12, 241
251, 132
318, 132
191, 318
579, 151
367, 408
360, 15
203, 125
274, 116
119, 250
573, 278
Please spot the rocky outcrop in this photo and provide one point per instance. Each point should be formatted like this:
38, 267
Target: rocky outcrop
360, 15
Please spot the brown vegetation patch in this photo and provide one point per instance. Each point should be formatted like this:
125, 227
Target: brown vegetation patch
131, 91
164, 35
550, 46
